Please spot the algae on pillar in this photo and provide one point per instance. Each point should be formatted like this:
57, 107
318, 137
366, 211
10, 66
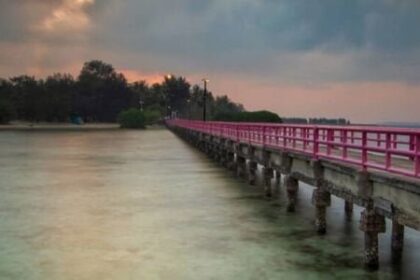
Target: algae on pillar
240, 166
268, 175
252, 172
371, 224
278, 178
321, 199
348, 209
292, 186
397, 241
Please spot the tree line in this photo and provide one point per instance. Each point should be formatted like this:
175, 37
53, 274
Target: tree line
325, 121
99, 94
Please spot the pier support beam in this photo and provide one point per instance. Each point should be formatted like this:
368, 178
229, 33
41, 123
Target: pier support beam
292, 186
371, 224
230, 160
252, 172
277, 184
278, 178
321, 199
348, 209
268, 175
240, 166
397, 241
222, 155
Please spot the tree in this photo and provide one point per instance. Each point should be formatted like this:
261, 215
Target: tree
6, 107
257, 116
177, 93
59, 93
100, 93
103, 92
25, 97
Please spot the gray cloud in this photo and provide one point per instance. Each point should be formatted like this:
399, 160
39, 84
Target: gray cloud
298, 41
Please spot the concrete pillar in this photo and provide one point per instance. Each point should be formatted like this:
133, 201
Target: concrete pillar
278, 178
292, 186
371, 224
268, 175
277, 183
240, 166
230, 160
214, 151
348, 209
222, 155
210, 150
397, 242
321, 199
252, 172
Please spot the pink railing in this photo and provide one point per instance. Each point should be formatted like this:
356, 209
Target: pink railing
395, 150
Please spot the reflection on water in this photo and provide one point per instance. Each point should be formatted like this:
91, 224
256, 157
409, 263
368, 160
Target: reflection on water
144, 205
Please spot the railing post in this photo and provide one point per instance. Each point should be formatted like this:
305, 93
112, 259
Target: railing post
264, 140
417, 156
412, 144
237, 132
394, 139
387, 152
294, 136
344, 142
364, 151
316, 143
329, 145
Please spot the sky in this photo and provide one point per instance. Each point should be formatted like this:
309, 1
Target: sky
358, 59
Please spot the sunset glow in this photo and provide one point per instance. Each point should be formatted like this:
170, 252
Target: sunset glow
69, 16
245, 50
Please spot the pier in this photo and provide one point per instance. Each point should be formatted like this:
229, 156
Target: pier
377, 168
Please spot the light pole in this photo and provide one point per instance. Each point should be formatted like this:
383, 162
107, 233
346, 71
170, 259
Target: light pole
167, 99
141, 102
205, 81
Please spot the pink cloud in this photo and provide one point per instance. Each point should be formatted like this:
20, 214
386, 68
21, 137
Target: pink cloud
360, 102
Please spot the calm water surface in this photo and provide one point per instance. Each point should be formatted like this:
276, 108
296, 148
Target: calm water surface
145, 205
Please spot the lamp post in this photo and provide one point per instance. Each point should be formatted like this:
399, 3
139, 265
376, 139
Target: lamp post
205, 81
141, 102
167, 99
189, 108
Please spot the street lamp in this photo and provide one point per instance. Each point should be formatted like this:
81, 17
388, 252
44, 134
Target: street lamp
167, 101
205, 81
141, 102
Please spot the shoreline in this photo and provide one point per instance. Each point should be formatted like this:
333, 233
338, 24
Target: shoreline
58, 126
21, 126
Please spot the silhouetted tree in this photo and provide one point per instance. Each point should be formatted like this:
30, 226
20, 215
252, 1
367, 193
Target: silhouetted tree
59, 95
6, 106
25, 97
177, 93
102, 92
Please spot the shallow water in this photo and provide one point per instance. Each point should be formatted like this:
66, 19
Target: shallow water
145, 205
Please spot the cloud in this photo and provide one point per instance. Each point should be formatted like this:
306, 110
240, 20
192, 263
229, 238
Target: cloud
310, 44
375, 39
70, 16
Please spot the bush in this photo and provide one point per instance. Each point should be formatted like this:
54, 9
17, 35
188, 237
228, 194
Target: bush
152, 116
6, 112
132, 118
257, 116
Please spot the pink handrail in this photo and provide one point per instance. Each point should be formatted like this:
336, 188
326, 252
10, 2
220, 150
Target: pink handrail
394, 150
